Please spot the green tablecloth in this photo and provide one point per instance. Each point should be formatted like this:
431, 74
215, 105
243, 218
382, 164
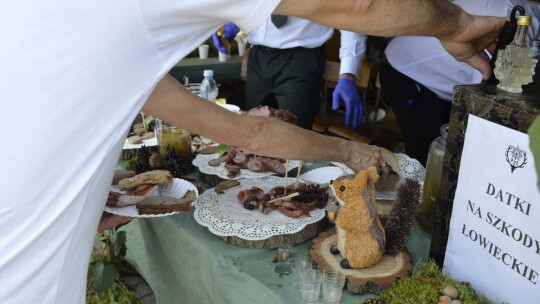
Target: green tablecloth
184, 262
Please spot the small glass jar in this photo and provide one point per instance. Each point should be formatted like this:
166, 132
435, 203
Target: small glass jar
171, 137
432, 180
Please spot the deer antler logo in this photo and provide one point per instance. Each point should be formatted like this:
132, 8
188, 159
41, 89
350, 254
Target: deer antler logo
516, 157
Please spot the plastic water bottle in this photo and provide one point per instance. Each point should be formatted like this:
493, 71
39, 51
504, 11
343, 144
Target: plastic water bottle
209, 87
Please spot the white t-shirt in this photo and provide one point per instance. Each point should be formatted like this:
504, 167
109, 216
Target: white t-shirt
424, 60
298, 32
73, 76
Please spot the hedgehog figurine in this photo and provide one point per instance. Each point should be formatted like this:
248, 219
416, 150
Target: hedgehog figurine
361, 238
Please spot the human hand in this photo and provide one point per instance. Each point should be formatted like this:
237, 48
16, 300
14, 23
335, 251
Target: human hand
230, 30
224, 36
476, 35
346, 91
363, 156
109, 220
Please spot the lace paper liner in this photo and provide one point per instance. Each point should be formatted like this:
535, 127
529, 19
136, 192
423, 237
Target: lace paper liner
224, 215
408, 168
201, 161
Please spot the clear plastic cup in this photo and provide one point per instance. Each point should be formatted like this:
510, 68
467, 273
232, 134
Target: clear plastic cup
311, 286
332, 282
299, 267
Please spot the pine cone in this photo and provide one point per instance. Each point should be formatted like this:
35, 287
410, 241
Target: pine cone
374, 301
143, 157
177, 165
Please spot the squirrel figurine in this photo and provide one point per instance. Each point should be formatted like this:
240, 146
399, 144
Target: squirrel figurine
361, 238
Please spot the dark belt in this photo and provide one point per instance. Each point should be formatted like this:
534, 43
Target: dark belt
276, 50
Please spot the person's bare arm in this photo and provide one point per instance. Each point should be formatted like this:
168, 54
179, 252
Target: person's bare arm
464, 36
379, 17
265, 136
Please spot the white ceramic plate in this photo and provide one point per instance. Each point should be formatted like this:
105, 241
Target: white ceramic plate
177, 188
321, 176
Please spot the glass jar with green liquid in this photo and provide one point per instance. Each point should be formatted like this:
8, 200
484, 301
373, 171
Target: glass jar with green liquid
432, 180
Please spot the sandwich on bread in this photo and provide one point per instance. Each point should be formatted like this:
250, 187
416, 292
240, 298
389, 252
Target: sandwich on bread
138, 187
149, 177
166, 204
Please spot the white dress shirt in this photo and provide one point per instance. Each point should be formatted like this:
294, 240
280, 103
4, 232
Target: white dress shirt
297, 32
424, 60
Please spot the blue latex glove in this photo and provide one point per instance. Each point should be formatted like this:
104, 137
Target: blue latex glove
228, 33
346, 91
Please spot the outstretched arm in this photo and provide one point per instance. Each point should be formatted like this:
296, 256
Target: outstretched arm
464, 36
264, 136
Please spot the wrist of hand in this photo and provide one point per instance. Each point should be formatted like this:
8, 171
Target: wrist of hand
348, 76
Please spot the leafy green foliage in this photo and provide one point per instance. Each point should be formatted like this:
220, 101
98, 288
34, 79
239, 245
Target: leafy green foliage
104, 284
104, 274
221, 149
131, 164
118, 293
534, 138
149, 122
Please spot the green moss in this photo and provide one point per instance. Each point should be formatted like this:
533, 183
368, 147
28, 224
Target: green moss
425, 286
412, 291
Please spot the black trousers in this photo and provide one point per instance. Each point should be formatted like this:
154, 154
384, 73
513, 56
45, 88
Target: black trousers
286, 79
420, 112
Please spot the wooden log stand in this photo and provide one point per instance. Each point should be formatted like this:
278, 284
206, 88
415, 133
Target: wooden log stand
303, 235
368, 280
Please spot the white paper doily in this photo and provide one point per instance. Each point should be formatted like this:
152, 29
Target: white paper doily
224, 215
201, 161
408, 168
177, 188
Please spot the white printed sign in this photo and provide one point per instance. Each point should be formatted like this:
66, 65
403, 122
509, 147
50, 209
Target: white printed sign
494, 238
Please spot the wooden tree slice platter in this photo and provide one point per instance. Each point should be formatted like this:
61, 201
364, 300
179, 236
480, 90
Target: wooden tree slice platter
368, 280
303, 235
